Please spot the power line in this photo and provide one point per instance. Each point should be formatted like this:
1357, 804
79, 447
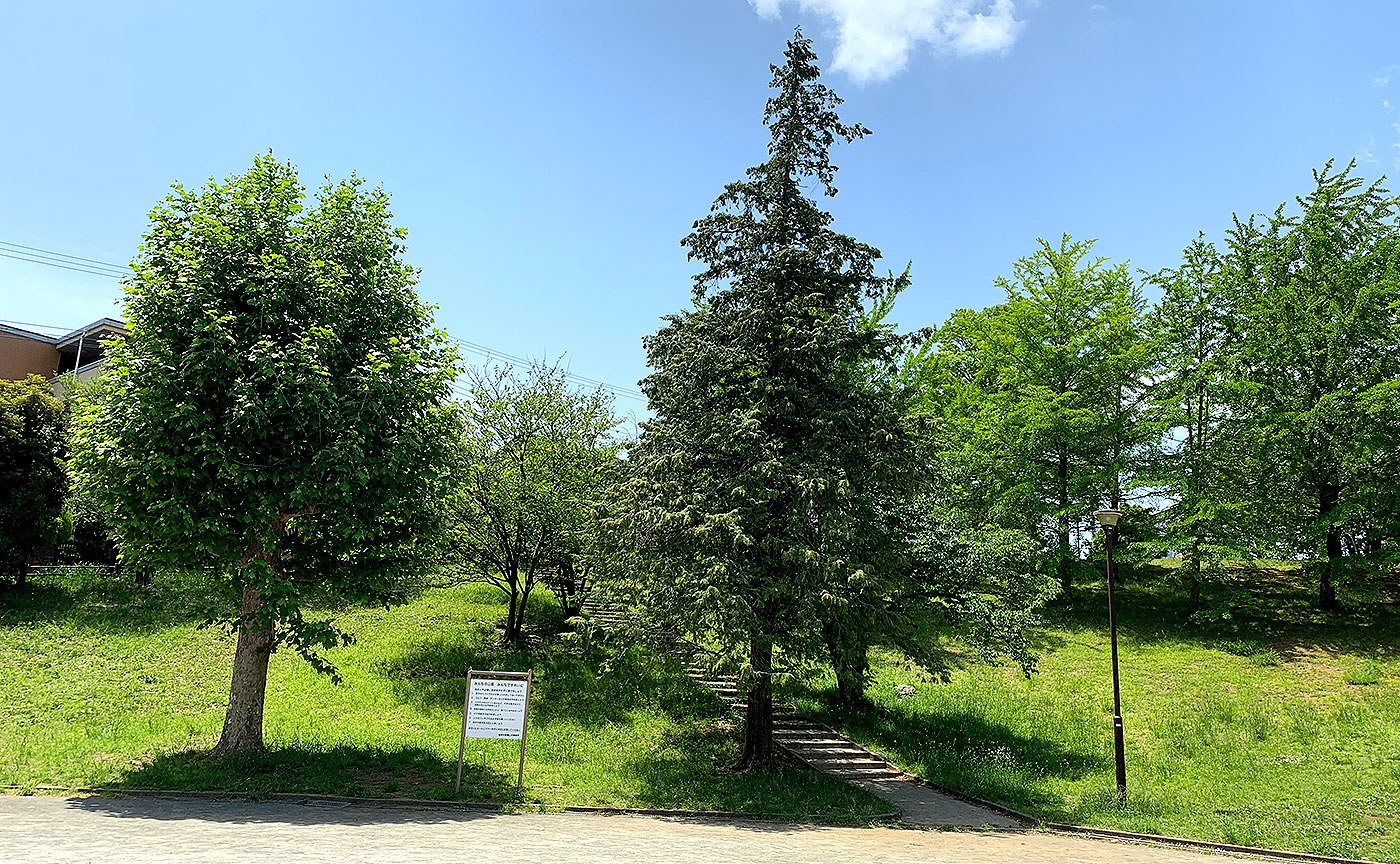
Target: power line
94, 267
79, 268
49, 253
493, 354
40, 326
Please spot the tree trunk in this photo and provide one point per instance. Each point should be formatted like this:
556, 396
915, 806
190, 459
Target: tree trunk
520, 612
1066, 576
850, 677
243, 720
571, 589
1328, 496
1194, 575
512, 621
850, 661
758, 726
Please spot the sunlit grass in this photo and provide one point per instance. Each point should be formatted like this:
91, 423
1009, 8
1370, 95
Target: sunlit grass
104, 684
1278, 727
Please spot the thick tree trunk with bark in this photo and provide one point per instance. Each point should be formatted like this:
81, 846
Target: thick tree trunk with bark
759, 751
243, 720
1328, 496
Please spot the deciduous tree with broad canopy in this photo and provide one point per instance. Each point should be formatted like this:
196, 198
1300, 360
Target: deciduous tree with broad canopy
533, 465
1319, 309
277, 415
1043, 397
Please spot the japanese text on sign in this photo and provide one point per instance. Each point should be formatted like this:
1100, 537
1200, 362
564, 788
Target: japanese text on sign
496, 708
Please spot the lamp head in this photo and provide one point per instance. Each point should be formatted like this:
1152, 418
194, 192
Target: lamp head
1107, 518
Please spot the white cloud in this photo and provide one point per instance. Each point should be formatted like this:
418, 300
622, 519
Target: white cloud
1366, 151
875, 37
1381, 77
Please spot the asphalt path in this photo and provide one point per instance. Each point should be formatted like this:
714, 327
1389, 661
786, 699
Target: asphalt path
39, 829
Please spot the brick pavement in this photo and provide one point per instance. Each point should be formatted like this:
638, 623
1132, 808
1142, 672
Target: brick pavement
41, 829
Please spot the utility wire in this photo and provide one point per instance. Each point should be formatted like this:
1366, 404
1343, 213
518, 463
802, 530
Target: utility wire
6, 253
63, 256
94, 267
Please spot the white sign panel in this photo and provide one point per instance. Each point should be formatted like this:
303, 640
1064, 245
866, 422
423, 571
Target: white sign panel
496, 708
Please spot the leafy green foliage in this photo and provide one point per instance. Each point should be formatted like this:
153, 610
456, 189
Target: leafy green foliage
757, 491
1319, 297
1205, 468
275, 416
32, 481
1042, 398
979, 592
534, 462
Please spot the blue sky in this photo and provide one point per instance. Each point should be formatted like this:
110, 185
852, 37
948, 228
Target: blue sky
547, 157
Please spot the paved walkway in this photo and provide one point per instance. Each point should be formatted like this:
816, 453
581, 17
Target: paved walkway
42, 829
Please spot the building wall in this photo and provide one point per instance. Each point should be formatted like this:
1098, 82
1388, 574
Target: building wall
20, 358
87, 373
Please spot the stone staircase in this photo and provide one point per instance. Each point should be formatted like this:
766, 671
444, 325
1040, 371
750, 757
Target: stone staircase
822, 748
813, 744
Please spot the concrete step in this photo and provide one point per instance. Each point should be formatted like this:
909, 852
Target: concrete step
795, 741
777, 709
823, 751
795, 725
835, 763
863, 773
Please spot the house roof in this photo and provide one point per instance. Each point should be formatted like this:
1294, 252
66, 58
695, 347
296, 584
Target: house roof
107, 325
20, 333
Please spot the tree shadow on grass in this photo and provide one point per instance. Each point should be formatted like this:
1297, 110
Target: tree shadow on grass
964, 752
406, 772
103, 599
585, 684
112, 601
1277, 608
689, 768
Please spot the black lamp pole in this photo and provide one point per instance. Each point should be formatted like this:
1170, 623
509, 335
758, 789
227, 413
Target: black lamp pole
1113, 649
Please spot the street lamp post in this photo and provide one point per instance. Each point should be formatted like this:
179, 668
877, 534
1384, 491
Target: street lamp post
1109, 520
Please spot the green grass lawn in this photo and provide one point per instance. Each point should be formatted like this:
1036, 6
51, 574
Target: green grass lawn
1276, 727
104, 684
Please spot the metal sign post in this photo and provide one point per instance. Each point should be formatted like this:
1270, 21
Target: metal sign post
496, 705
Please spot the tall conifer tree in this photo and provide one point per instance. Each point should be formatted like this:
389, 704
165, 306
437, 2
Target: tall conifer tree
756, 490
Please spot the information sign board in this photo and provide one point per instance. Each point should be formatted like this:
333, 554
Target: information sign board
496, 705
496, 708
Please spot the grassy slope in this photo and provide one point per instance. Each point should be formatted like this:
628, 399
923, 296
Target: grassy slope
103, 685
1220, 746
